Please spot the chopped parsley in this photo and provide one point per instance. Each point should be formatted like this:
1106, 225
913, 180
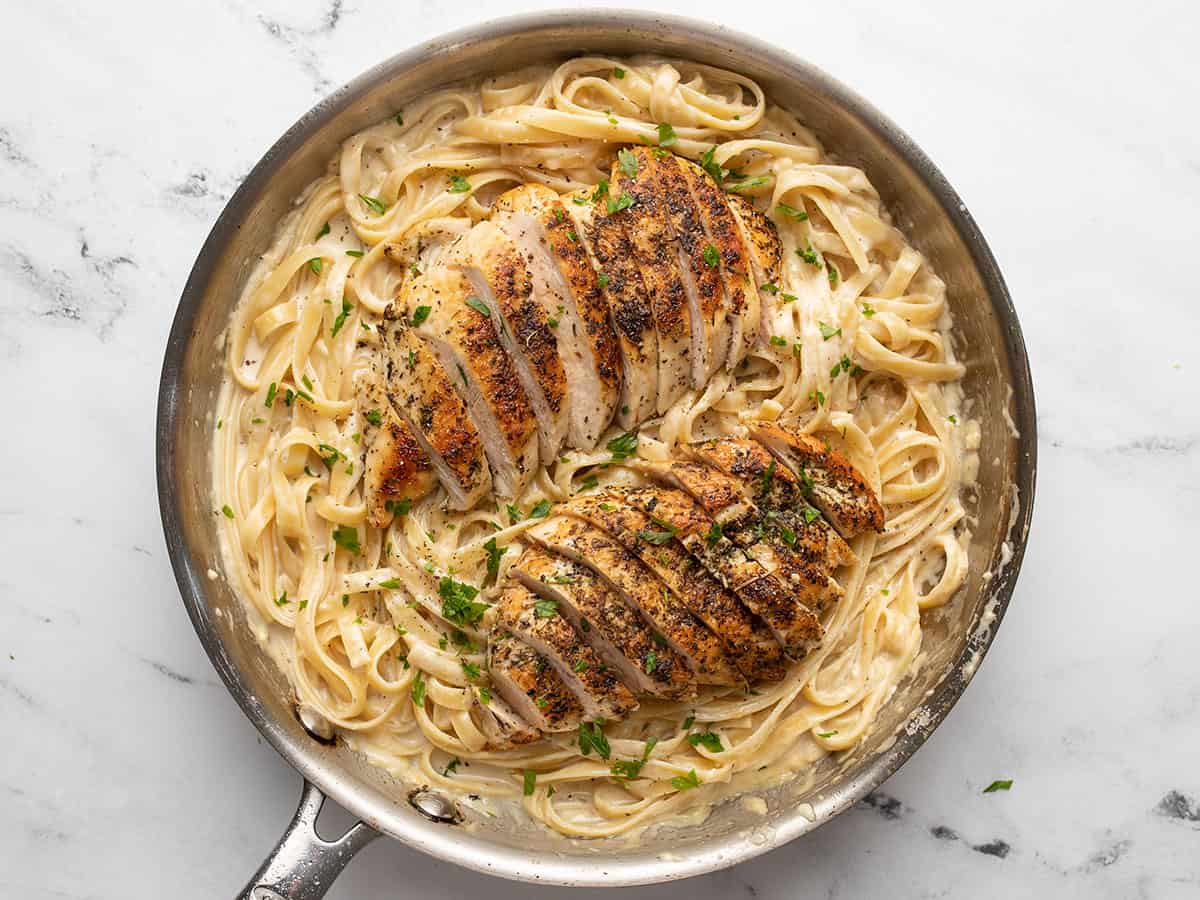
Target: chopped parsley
657, 538
628, 162
281, 600
687, 723
684, 782
832, 272
355, 253
590, 482
651, 662
1000, 785
316, 264
530, 782
868, 310
514, 514
666, 135
485, 696
809, 256
709, 164
784, 210
572, 236
479, 306
324, 231
374, 416
341, 317
272, 389
629, 769
788, 536
767, 476
546, 609
346, 537
828, 331
714, 534
591, 737
624, 446
748, 183
540, 510
451, 767
623, 202
470, 669
770, 287
712, 256
493, 562
602, 279
777, 341
580, 665
459, 185
391, 584
418, 689
374, 204
420, 315
618, 72
953, 419
400, 119
826, 734
709, 740
818, 397
811, 514
458, 602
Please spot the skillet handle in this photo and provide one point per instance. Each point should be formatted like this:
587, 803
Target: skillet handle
303, 865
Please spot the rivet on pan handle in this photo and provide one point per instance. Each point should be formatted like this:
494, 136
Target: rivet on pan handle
303, 865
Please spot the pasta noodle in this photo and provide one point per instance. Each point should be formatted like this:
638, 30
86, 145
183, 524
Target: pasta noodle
860, 353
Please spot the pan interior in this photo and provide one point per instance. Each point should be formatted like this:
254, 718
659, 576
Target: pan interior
987, 341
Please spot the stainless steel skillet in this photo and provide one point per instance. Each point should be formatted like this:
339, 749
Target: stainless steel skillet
998, 385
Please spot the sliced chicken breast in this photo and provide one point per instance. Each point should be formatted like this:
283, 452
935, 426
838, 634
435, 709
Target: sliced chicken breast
777, 492
420, 395
395, 468
766, 258
566, 284
747, 641
830, 481
742, 302
606, 622
630, 308
467, 344
497, 273
645, 223
699, 265
638, 587
538, 623
793, 624
532, 686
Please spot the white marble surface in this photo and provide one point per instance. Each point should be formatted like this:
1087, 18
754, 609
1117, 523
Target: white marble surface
1072, 134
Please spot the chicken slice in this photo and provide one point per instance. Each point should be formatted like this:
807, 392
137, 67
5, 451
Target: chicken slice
657, 256
747, 641
566, 284
419, 394
468, 345
639, 587
699, 265
503, 726
497, 272
835, 487
629, 305
538, 623
794, 625
395, 468
606, 622
742, 302
766, 258
532, 686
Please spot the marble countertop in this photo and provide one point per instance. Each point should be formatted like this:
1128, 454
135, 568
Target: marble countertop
127, 771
